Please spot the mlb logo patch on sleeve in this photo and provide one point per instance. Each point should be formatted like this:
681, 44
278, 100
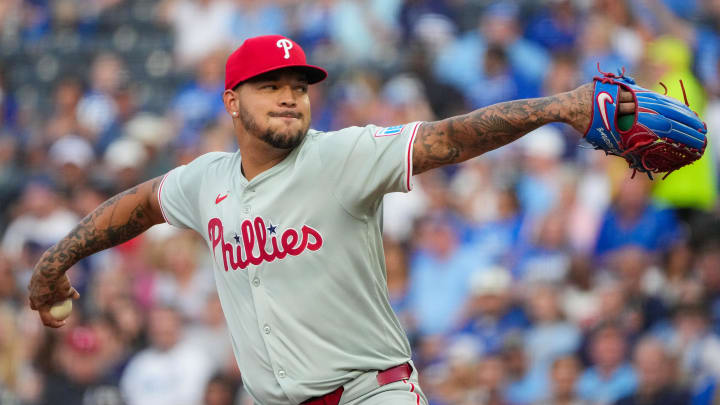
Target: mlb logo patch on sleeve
389, 131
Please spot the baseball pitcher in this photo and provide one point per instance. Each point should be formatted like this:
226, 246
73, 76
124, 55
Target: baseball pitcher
293, 223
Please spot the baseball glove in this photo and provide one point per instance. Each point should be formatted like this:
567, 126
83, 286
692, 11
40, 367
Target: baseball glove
662, 136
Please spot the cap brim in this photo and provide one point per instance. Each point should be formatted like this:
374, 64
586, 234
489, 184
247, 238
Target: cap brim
315, 74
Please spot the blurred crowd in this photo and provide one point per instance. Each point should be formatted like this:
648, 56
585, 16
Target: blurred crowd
539, 273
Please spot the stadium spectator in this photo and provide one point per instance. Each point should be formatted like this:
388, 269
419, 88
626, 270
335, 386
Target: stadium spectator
641, 283
498, 228
98, 109
181, 280
199, 26
499, 82
98, 95
556, 28
525, 384
81, 375
11, 344
220, 390
439, 274
698, 349
170, 371
71, 157
579, 299
634, 219
610, 377
546, 257
396, 266
595, 46
125, 159
549, 335
491, 315
41, 222
492, 379
64, 118
210, 332
252, 19
707, 261
656, 377
540, 184
199, 103
454, 380
563, 378
11, 177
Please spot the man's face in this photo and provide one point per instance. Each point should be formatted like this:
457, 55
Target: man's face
652, 367
608, 348
164, 328
275, 108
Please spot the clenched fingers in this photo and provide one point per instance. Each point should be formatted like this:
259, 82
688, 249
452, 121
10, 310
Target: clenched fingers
44, 311
626, 108
625, 96
48, 319
627, 103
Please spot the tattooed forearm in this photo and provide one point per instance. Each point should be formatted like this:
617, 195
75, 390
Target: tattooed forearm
117, 220
459, 138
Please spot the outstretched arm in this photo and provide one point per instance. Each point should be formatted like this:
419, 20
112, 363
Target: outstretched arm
115, 221
463, 137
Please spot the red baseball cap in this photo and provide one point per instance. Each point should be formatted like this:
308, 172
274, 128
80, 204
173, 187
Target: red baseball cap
264, 54
83, 340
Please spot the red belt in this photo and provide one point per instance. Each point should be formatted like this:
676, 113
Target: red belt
388, 376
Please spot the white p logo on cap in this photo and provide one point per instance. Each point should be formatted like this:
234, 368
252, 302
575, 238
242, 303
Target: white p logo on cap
286, 45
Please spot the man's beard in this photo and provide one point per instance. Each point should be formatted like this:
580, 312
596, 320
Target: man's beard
269, 136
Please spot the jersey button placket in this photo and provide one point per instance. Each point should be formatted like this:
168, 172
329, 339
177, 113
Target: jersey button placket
256, 281
266, 329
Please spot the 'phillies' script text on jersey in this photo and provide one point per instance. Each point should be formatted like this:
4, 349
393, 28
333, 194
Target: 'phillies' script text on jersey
291, 243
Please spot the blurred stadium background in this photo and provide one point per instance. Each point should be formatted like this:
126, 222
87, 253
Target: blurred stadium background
540, 273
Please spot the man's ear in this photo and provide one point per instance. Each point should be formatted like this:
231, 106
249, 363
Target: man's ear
232, 102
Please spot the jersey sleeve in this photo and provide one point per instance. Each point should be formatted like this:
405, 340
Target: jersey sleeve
179, 190
365, 163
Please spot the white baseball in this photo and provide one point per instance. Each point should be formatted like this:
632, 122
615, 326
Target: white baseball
61, 310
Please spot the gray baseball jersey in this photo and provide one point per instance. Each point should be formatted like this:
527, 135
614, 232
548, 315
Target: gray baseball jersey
298, 258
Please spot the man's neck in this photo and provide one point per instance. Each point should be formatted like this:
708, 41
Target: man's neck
607, 371
258, 156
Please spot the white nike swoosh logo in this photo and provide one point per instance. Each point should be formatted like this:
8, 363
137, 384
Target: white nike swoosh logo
602, 98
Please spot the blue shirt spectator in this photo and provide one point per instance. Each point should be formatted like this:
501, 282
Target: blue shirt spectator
491, 316
525, 384
439, 288
462, 63
555, 27
491, 332
707, 54
439, 277
605, 389
200, 103
653, 230
633, 219
496, 239
610, 377
254, 18
529, 389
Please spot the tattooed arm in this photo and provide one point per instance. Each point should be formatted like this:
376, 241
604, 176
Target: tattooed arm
463, 137
115, 221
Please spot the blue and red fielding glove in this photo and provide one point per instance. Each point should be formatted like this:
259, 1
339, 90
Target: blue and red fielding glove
665, 134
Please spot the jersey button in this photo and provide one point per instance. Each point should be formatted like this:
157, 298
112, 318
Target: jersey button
281, 373
266, 329
256, 282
